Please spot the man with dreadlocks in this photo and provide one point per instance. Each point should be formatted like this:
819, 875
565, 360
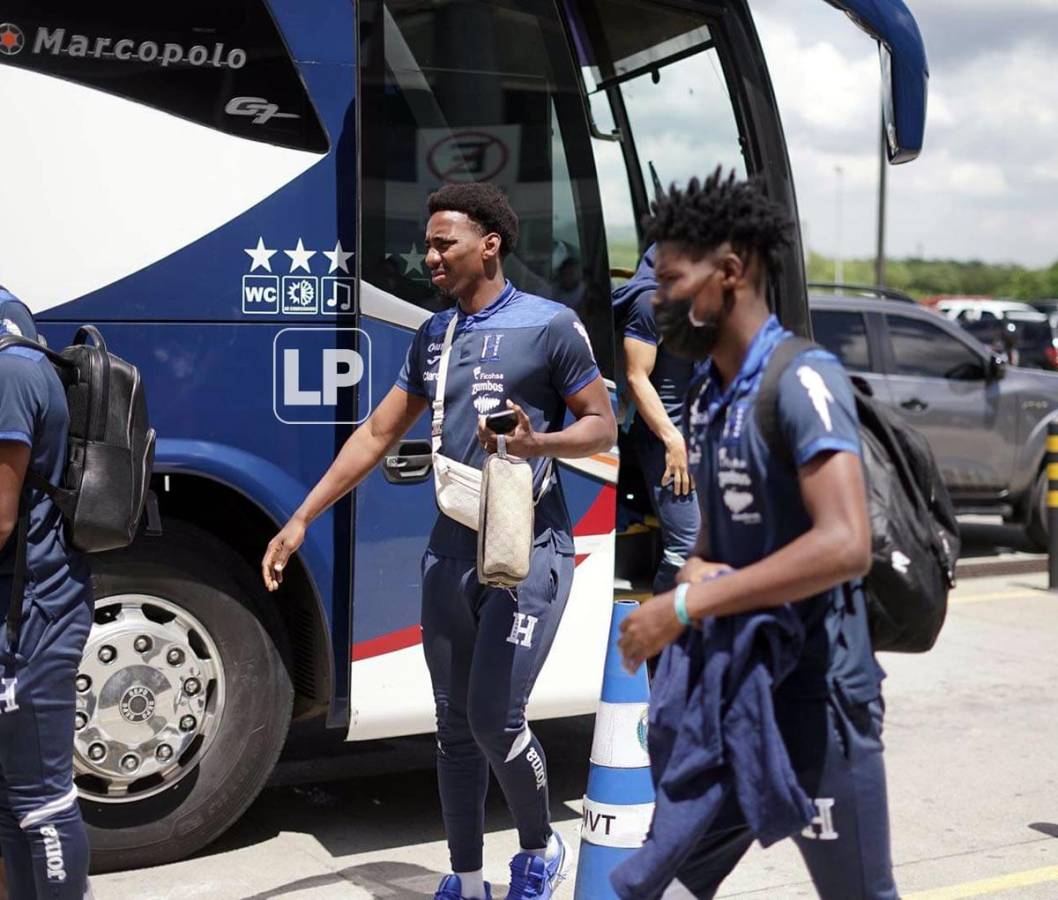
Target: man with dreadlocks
766, 709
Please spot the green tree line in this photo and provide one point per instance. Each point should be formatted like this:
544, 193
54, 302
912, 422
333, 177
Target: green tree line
929, 277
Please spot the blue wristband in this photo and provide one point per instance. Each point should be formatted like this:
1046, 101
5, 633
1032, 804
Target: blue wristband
679, 603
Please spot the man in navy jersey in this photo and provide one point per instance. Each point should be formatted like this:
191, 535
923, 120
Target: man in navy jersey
791, 530
657, 382
485, 646
41, 832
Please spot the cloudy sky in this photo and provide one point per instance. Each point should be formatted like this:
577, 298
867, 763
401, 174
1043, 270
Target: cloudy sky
986, 185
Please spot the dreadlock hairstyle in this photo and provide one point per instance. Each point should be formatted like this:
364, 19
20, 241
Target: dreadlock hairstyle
705, 215
484, 204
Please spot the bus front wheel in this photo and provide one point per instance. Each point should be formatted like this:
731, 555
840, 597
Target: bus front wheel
183, 700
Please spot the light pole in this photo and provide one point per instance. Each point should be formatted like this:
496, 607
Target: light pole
839, 263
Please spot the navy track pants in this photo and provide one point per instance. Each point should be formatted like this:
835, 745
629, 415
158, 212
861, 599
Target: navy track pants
45, 847
679, 517
484, 649
836, 750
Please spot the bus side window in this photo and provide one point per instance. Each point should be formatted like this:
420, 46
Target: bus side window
463, 90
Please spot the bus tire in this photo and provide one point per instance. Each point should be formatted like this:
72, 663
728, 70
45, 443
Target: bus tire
188, 574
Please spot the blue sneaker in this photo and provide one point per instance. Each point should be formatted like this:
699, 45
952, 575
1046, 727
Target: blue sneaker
528, 878
533, 878
451, 888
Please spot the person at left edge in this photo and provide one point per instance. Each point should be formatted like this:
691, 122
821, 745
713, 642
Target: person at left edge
43, 838
484, 646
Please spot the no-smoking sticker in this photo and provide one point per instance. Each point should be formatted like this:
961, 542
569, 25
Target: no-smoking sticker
471, 154
468, 156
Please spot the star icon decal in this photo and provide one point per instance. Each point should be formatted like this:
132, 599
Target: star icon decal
413, 260
261, 256
339, 258
299, 257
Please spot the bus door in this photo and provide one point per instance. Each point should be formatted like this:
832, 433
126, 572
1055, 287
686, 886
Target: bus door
464, 90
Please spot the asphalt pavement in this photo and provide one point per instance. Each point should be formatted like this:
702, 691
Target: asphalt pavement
970, 733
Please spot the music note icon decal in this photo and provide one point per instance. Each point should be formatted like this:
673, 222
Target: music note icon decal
339, 295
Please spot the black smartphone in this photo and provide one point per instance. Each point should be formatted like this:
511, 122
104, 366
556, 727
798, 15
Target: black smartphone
502, 422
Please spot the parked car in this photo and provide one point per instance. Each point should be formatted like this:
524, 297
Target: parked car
985, 420
1030, 339
973, 309
1047, 305
1028, 335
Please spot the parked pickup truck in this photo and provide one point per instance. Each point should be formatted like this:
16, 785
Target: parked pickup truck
985, 420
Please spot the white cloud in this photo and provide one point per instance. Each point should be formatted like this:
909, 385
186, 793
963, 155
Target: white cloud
986, 185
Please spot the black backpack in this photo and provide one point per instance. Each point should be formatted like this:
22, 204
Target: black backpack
914, 534
110, 451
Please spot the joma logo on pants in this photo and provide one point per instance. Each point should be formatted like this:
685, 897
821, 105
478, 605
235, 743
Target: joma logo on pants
8, 699
821, 828
53, 854
539, 772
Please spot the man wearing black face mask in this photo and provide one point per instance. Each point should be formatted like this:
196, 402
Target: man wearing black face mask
766, 709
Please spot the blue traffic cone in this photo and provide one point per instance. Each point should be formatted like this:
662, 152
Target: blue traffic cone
620, 798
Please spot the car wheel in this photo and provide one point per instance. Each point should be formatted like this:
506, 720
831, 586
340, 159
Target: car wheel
1036, 530
183, 700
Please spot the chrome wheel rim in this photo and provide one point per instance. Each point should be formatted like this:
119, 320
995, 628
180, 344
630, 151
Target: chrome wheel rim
150, 693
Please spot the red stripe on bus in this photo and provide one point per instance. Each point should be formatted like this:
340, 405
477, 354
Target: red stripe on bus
601, 515
388, 643
406, 637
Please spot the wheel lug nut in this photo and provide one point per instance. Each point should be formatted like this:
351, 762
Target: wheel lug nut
164, 752
79, 721
107, 654
192, 686
175, 657
188, 723
142, 644
130, 762
96, 752
83, 683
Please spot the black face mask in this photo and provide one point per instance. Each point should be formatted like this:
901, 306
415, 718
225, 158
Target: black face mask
680, 336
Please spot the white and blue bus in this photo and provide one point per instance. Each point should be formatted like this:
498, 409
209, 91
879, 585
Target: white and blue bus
234, 191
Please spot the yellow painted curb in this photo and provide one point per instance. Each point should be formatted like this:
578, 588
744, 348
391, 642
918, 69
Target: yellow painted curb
988, 885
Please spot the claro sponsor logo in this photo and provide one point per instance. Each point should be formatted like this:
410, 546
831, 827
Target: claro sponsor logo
57, 42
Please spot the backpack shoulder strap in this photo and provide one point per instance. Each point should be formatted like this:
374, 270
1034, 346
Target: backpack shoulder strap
62, 498
18, 579
15, 340
767, 409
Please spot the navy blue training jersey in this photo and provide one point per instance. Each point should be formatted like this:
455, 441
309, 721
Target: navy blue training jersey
752, 501
33, 412
634, 314
520, 347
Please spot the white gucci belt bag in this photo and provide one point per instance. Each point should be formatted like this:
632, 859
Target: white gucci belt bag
497, 502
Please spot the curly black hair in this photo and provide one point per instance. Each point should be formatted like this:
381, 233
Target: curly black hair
723, 208
484, 204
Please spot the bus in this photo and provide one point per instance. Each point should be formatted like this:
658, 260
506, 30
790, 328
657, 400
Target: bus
234, 193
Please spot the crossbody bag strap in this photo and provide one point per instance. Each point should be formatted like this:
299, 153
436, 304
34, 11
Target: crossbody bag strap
438, 421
